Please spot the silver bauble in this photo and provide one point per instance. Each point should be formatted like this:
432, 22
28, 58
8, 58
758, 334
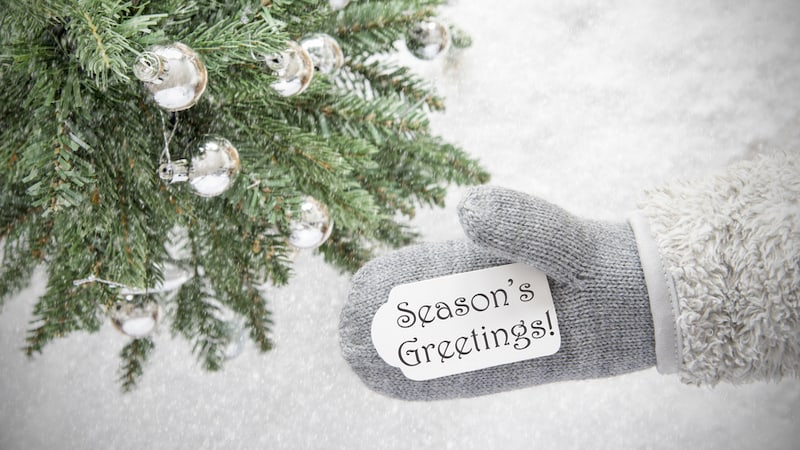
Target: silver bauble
173, 74
338, 4
294, 69
135, 316
428, 39
325, 53
214, 167
312, 227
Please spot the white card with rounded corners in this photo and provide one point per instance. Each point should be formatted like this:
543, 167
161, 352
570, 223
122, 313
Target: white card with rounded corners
467, 321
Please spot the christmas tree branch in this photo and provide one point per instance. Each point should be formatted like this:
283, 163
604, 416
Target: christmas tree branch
16, 267
134, 355
63, 309
197, 318
369, 28
57, 170
237, 41
98, 34
376, 120
344, 251
319, 166
232, 270
83, 142
385, 78
22, 237
176, 13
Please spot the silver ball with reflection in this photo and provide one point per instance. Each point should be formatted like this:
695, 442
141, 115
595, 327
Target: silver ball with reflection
294, 69
173, 74
428, 39
134, 316
214, 167
312, 227
338, 4
324, 51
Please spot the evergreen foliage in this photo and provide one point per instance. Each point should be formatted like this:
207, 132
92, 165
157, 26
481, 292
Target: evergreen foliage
80, 142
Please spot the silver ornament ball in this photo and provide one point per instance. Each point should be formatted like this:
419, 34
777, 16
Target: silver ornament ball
214, 167
134, 316
338, 4
173, 74
428, 39
294, 69
312, 227
325, 53
235, 345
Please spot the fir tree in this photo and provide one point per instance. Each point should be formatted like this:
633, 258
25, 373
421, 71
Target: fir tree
81, 142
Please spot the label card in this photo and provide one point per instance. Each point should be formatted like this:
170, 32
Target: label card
467, 321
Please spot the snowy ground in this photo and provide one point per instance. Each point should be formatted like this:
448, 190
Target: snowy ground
584, 103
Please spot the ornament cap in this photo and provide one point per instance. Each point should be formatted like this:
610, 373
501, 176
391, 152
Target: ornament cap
174, 171
148, 67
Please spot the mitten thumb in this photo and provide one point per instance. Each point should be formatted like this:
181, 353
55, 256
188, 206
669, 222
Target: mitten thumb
526, 229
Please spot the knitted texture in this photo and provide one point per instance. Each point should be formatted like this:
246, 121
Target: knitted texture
731, 244
594, 275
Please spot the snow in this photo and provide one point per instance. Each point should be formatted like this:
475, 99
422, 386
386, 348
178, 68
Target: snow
583, 103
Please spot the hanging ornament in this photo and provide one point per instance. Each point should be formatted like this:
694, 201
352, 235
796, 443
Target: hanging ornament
428, 39
173, 74
211, 172
313, 227
325, 53
294, 70
135, 316
338, 4
236, 344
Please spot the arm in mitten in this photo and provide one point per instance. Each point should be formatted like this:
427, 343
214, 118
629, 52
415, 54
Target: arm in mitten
595, 278
714, 310
721, 258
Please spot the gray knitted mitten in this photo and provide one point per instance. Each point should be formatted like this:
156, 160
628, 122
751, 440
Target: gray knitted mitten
595, 278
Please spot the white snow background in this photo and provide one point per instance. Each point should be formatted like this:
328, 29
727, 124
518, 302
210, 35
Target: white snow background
583, 103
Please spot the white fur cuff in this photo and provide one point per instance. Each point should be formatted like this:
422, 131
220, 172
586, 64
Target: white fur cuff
731, 244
